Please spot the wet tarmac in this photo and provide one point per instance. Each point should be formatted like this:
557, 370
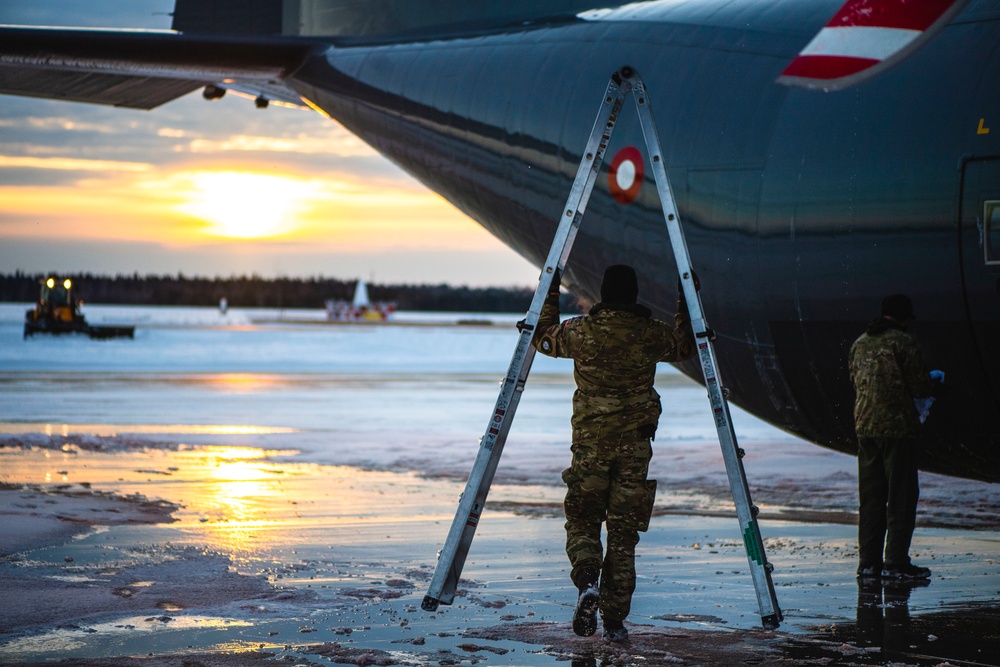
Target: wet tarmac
290, 562
210, 496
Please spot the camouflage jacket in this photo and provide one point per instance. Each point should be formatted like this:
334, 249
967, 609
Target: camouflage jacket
888, 372
615, 349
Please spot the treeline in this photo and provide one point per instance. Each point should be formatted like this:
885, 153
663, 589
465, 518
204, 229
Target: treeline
257, 292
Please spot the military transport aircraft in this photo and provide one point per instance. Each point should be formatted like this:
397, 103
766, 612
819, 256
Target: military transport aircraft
822, 156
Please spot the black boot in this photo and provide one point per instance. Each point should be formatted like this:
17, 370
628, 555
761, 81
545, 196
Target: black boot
614, 631
585, 614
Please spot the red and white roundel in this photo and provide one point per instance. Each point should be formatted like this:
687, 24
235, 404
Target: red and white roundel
625, 175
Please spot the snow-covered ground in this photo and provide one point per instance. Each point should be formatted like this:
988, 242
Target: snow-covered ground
413, 396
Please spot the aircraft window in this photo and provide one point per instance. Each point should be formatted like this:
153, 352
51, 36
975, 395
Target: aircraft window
991, 232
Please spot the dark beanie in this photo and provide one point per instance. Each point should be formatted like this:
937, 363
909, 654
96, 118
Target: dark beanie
898, 307
619, 285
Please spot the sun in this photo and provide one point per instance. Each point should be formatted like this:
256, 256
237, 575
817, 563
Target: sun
247, 205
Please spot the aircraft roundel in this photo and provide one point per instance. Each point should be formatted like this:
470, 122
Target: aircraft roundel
625, 175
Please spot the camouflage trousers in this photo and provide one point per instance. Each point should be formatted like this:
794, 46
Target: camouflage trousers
606, 482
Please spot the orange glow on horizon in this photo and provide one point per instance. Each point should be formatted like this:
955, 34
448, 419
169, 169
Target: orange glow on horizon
207, 206
225, 189
239, 383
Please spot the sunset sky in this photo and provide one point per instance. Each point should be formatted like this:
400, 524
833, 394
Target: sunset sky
216, 188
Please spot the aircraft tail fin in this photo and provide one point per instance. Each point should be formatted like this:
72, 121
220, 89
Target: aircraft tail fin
364, 19
243, 18
864, 38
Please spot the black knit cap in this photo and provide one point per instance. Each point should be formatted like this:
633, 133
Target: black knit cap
898, 307
620, 285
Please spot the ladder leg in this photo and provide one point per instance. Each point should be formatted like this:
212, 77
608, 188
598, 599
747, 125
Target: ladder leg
760, 569
452, 557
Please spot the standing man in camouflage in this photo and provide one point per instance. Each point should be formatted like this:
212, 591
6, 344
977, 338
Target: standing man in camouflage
615, 411
888, 373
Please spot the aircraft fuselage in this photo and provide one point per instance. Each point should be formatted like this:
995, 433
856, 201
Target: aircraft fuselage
802, 208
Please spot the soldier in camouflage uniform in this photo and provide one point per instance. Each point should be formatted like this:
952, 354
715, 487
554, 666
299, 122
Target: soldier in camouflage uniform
615, 411
888, 373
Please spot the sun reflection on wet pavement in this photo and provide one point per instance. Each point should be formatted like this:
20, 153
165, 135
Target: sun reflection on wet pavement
107, 430
349, 548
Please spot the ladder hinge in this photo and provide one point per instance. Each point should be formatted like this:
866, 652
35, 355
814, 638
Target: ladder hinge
523, 326
707, 333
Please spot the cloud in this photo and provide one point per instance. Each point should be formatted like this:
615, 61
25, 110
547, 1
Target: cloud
56, 123
152, 14
340, 146
71, 164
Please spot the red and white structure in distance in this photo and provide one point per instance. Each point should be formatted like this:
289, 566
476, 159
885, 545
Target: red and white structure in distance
864, 37
360, 309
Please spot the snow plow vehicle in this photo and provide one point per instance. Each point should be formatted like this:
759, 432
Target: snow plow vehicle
58, 312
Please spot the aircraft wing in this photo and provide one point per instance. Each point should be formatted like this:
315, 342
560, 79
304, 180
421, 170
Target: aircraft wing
141, 69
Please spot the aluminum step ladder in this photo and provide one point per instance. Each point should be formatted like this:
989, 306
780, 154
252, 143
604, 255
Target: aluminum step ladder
456, 548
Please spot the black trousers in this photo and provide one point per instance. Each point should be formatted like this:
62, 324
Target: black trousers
888, 491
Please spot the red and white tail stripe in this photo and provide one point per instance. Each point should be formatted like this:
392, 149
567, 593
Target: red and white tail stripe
864, 37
